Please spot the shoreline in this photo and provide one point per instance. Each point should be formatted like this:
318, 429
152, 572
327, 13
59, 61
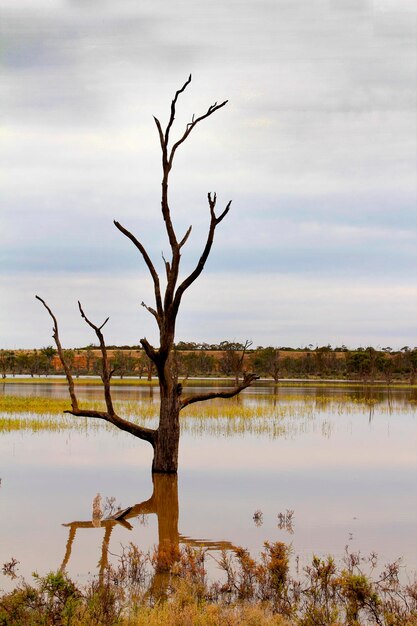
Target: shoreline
216, 381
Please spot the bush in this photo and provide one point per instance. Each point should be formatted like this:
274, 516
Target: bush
170, 587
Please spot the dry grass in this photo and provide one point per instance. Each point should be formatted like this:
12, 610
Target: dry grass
139, 591
193, 613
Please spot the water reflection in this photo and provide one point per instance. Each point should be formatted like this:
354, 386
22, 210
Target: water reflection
308, 449
320, 392
165, 505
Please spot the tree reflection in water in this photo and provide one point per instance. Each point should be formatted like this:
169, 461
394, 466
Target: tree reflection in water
164, 504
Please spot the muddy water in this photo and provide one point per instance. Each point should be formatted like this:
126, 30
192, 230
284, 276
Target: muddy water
341, 470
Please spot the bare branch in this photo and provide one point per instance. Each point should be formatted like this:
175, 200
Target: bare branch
97, 329
161, 134
148, 262
147, 434
151, 311
173, 104
141, 432
246, 346
167, 266
225, 212
104, 323
149, 349
172, 270
184, 239
212, 199
214, 221
202, 397
212, 109
212, 204
107, 373
71, 388
164, 139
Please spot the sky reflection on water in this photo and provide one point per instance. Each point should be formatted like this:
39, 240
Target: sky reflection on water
349, 477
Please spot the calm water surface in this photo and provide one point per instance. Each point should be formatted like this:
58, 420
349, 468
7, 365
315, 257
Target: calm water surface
342, 459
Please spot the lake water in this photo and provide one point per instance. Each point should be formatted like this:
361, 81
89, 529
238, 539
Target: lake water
343, 459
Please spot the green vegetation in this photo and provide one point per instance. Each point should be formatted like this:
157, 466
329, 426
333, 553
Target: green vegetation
170, 586
286, 405
229, 359
281, 416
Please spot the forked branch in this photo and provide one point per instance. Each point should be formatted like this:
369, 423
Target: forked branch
167, 162
214, 222
55, 335
147, 434
201, 397
107, 372
195, 120
173, 105
169, 304
168, 157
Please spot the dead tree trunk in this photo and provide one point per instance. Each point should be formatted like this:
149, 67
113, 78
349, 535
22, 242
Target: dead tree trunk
164, 439
168, 433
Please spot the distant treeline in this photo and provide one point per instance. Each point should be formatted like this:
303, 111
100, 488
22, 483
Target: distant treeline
228, 358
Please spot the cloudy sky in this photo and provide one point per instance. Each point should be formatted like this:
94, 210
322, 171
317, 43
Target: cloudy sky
317, 148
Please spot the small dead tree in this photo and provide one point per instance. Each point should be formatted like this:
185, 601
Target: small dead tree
233, 359
165, 438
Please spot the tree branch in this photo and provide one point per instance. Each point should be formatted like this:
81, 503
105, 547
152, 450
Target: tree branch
214, 221
167, 161
148, 262
55, 335
184, 239
167, 266
202, 397
151, 311
160, 133
147, 434
246, 346
166, 166
107, 372
212, 109
173, 104
141, 432
212, 200
150, 350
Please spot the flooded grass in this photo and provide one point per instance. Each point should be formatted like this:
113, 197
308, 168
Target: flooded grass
256, 405
31, 423
209, 382
36, 405
290, 414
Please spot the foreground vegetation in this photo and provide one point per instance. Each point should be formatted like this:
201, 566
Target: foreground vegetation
170, 586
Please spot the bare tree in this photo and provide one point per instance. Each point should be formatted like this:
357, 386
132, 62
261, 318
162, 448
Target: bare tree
267, 361
165, 438
233, 358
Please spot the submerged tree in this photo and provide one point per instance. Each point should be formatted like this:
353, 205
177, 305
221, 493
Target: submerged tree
165, 438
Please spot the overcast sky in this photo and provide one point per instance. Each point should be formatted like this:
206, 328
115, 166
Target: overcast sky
317, 148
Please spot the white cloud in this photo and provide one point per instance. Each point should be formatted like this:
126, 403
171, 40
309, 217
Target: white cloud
278, 309
317, 147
